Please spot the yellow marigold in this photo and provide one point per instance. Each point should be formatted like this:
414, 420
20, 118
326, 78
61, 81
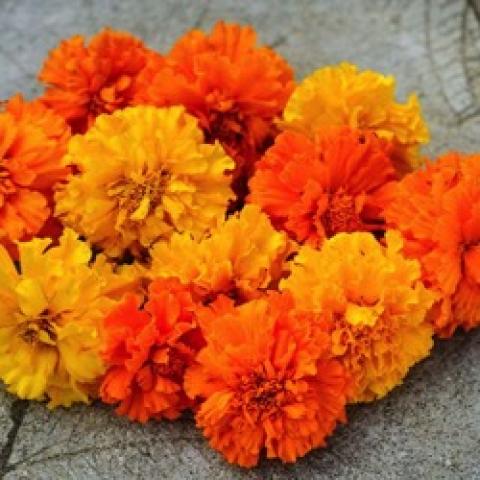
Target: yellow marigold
343, 95
240, 258
377, 303
50, 314
144, 173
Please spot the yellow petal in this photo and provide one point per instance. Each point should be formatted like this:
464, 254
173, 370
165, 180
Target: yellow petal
7, 268
72, 250
360, 315
30, 255
31, 298
142, 211
175, 209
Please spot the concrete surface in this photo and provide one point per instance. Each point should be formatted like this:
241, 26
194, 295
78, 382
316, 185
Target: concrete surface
427, 429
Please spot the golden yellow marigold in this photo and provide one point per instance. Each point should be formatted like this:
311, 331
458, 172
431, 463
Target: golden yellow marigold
343, 95
50, 314
377, 304
240, 258
144, 173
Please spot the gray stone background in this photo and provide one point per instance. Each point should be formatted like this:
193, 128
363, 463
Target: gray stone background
427, 429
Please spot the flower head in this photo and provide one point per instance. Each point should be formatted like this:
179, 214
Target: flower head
241, 258
87, 80
50, 318
147, 351
234, 87
266, 380
377, 304
438, 213
343, 95
32, 142
314, 188
144, 173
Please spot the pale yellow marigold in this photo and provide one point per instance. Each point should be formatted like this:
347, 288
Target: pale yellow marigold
242, 257
377, 304
50, 317
144, 173
343, 95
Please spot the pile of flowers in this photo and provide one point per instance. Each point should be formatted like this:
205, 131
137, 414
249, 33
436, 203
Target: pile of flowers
194, 231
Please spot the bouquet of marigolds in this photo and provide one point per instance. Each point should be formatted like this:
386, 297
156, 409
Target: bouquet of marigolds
196, 231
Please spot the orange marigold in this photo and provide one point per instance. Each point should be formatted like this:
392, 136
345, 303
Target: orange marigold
316, 188
376, 301
32, 142
147, 351
87, 80
267, 380
233, 86
438, 212
241, 258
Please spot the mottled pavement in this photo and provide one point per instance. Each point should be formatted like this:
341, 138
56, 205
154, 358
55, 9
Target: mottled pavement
429, 428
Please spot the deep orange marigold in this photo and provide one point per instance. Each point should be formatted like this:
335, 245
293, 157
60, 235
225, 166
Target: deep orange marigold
87, 80
314, 189
32, 142
147, 351
233, 86
267, 380
438, 212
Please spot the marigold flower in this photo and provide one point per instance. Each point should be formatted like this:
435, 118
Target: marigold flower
50, 316
336, 182
32, 142
87, 80
144, 173
241, 258
377, 303
438, 212
267, 380
234, 87
343, 95
147, 351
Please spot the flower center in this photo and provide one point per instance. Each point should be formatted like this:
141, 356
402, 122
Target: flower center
174, 369
224, 123
113, 95
355, 341
137, 198
341, 215
165, 362
40, 329
260, 395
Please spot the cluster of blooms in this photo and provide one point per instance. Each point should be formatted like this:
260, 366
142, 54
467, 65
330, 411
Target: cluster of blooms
193, 231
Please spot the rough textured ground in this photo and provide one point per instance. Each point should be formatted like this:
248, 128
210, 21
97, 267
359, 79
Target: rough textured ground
430, 427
